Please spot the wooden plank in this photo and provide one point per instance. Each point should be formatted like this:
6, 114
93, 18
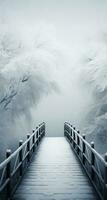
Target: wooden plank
55, 174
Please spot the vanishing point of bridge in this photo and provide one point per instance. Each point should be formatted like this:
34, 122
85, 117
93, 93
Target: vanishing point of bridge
57, 169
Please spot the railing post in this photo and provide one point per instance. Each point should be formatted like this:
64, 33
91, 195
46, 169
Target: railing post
8, 174
71, 131
28, 148
21, 157
39, 133
105, 178
37, 142
83, 149
33, 140
71, 134
92, 160
64, 129
44, 129
78, 142
74, 137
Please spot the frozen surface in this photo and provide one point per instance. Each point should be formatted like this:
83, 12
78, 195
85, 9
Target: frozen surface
55, 174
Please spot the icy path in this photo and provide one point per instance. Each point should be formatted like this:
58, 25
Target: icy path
55, 174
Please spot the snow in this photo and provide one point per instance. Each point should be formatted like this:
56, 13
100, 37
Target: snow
27, 73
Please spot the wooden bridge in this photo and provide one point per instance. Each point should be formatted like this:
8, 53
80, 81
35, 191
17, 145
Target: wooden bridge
64, 168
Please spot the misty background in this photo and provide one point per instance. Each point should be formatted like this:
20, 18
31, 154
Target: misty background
53, 68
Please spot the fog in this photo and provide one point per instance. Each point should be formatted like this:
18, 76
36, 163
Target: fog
53, 68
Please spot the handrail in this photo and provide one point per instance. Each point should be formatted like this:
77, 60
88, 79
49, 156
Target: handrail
89, 145
94, 164
16, 163
6, 161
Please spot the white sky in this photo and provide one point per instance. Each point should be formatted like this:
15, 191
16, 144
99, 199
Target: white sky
73, 19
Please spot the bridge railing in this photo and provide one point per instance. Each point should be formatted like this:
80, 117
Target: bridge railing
15, 164
94, 164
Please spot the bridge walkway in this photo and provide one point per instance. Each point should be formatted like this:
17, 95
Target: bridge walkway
55, 173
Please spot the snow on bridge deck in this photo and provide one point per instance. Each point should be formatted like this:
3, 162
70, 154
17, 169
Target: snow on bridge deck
55, 174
